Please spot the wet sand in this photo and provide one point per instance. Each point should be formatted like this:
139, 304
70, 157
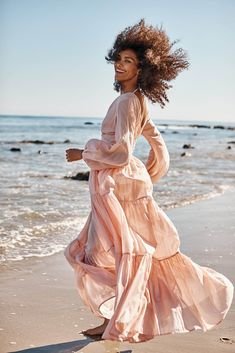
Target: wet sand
41, 310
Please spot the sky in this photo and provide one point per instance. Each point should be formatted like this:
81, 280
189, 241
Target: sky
52, 56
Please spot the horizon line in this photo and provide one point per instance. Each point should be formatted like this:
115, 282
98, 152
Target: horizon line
93, 117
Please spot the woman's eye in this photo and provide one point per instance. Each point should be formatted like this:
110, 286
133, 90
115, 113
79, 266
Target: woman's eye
124, 60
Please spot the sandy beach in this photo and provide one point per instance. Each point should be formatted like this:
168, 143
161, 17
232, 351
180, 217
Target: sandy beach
41, 310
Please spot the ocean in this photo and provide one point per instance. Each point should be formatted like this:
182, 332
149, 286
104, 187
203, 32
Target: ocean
43, 209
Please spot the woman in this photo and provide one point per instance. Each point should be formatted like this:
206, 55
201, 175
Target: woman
128, 266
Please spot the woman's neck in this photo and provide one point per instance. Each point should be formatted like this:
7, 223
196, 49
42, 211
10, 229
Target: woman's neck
133, 89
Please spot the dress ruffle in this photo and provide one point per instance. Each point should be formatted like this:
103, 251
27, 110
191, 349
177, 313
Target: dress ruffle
145, 287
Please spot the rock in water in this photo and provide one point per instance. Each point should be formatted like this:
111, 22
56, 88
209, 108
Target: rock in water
79, 176
38, 142
218, 127
15, 149
188, 145
200, 126
185, 154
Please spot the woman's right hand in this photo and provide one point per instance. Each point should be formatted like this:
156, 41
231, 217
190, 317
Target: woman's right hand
73, 154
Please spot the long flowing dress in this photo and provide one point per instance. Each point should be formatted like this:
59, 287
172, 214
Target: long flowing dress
127, 263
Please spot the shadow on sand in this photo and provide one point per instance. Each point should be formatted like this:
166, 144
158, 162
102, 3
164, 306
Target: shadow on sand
67, 347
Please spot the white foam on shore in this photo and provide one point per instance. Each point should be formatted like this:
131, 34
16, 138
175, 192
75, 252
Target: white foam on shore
219, 190
35, 242
42, 240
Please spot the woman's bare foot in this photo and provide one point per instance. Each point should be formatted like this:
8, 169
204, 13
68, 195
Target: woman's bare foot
99, 330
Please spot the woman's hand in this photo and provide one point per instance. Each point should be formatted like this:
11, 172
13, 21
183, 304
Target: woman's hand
73, 154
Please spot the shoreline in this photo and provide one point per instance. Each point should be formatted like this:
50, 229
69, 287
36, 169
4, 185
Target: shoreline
166, 208
42, 311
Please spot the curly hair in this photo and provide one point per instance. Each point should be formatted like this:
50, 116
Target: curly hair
158, 63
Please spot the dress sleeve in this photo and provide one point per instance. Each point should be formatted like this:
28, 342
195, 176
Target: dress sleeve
99, 154
158, 159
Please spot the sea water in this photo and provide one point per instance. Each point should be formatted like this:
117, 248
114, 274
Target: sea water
42, 209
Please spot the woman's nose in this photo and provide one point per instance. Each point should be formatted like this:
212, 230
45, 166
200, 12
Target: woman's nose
119, 65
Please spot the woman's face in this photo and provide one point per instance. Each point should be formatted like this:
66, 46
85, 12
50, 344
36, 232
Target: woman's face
126, 66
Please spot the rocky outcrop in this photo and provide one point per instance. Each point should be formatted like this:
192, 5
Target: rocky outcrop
15, 149
185, 154
38, 142
79, 176
188, 145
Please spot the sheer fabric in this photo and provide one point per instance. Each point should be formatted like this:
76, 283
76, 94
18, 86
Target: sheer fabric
127, 261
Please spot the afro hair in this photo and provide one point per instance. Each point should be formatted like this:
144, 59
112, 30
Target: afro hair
158, 63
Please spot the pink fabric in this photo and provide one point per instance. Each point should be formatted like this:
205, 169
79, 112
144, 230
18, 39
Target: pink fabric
127, 262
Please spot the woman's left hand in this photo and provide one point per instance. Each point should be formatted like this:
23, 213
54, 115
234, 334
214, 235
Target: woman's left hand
73, 154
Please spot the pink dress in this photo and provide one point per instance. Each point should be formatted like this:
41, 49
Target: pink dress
127, 262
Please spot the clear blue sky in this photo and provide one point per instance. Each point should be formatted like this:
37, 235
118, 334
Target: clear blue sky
52, 56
